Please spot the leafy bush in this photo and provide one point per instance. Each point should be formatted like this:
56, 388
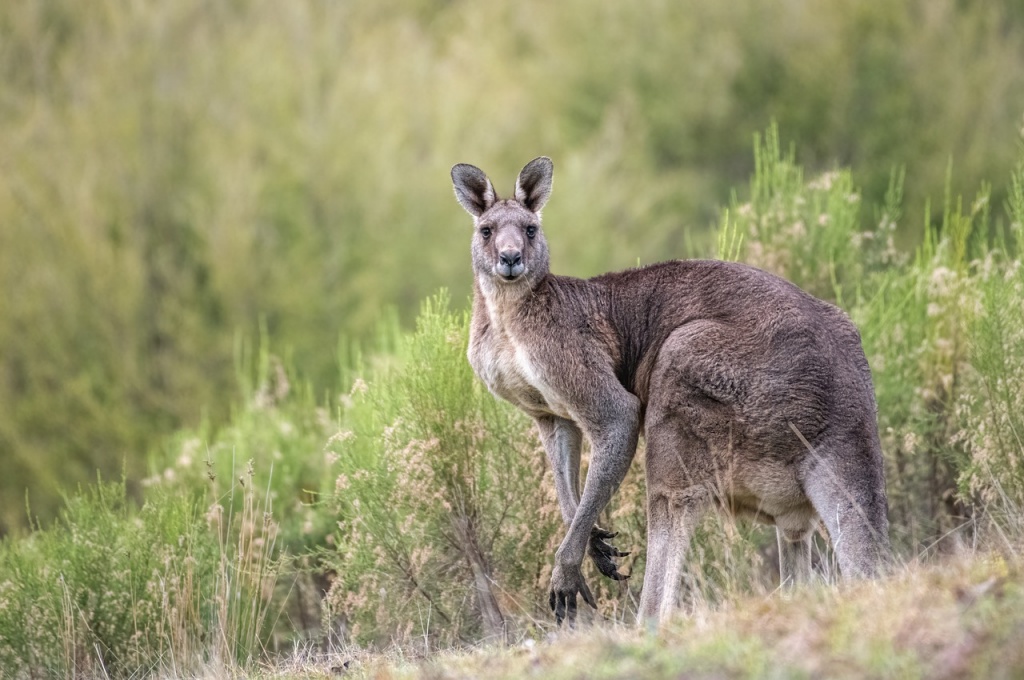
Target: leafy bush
447, 510
807, 232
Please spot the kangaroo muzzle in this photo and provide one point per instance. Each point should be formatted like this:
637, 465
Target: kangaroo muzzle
510, 264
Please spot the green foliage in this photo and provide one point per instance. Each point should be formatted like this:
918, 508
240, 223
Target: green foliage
805, 232
97, 584
116, 591
448, 514
993, 404
279, 432
176, 171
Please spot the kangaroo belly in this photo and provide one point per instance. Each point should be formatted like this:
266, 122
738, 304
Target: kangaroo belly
765, 489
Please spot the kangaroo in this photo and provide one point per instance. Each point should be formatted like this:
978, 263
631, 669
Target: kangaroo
752, 396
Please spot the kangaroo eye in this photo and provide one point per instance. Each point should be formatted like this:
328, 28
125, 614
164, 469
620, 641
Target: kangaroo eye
485, 232
531, 231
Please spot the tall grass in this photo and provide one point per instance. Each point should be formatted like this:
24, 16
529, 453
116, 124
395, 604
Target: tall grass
111, 591
991, 407
174, 171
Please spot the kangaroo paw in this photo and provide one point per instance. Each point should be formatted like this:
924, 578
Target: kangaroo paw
602, 553
566, 583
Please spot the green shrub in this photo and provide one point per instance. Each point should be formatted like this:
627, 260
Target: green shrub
806, 232
447, 514
992, 406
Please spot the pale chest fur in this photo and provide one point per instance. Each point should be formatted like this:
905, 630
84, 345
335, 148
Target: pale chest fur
505, 362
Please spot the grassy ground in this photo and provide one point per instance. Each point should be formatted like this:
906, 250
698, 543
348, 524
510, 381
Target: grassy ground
961, 618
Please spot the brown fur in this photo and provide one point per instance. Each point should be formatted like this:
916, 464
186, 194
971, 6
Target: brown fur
752, 396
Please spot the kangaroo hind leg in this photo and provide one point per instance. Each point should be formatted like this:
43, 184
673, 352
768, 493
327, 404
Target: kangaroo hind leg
677, 500
672, 520
845, 484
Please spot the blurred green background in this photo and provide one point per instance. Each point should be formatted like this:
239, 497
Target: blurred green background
177, 175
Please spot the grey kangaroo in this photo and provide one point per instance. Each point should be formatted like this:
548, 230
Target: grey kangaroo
752, 396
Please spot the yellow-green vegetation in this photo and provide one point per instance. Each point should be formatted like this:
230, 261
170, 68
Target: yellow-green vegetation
115, 591
188, 186
414, 514
174, 172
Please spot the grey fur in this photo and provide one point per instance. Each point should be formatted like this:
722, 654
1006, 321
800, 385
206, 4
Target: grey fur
752, 396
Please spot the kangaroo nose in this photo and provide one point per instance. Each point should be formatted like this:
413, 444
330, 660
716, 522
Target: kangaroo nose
510, 258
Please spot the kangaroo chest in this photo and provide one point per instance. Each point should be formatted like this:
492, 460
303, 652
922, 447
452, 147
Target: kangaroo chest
512, 373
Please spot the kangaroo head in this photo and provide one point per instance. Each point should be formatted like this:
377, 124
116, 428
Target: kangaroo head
509, 249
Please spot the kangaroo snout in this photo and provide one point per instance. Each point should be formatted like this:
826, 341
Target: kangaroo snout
510, 263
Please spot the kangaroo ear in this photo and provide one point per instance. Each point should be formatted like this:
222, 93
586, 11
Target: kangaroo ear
473, 189
533, 188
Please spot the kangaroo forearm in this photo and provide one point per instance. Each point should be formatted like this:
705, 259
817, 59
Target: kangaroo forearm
562, 441
596, 495
567, 501
608, 466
